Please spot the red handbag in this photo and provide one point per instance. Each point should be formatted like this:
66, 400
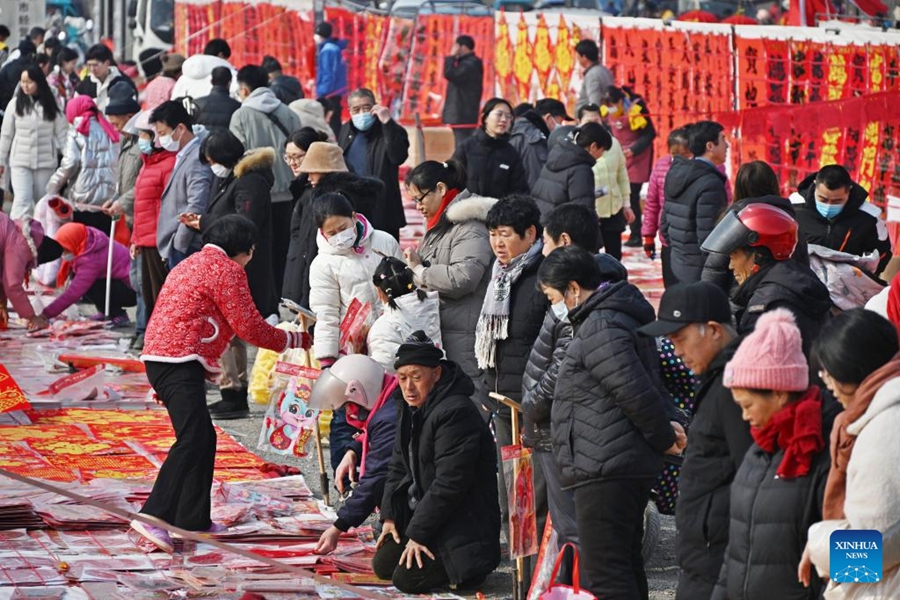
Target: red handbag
561, 591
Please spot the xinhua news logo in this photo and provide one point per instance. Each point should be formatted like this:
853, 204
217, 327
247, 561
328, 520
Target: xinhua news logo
856, 556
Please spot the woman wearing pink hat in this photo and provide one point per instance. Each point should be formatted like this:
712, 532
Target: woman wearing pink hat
777, 491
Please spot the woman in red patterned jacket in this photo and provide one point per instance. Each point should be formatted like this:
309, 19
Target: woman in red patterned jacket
205, 301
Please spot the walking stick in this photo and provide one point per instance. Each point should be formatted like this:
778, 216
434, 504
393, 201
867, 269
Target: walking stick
109, 264
304, 317
519, 589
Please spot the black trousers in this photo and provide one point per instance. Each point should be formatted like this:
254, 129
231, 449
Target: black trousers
153, 275
636, 208
561, 505
281, 239
180, 494
665, 257
336, 118
120, 296
386, 565
461, 134
610, 517
611, 229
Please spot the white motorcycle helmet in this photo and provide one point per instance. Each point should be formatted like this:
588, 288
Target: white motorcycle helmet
353, 378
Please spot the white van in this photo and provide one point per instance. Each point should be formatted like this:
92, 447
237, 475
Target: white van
153, 22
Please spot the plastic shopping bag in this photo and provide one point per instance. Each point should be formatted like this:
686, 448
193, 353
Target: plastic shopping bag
518, 473
546, 560
559, 591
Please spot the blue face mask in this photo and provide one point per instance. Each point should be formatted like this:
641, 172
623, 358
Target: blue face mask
146, 146
363, 121
829, 211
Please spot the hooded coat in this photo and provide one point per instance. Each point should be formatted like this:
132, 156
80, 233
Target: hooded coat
331, 72
312, 114
719, 440
567, 177
395, 325
215, 109
458, 253
246, 192
716, 268
465, 80
337, 277
694, 200
265, 121
286, 88
88, 166
609, 417
364, 193
858, 229
784, 284
529, 136
446, 449
195, 79
492, 165
387, 148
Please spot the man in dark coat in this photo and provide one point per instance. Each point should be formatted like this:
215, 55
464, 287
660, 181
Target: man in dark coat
529, 136
102, 75
697, 318
464, 73
214, 111
440, 511
833, 212
286, 88
375, 145
695, 197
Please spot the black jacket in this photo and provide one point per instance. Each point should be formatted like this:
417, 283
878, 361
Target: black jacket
493, 166
88, 87
695, 197
529, 136
445, 457
367, 496
539, 381
716, 268
768, 525
364, 193
387, 147
858, 229
784, 284
609, 416
567, 177
12, 73
247, 192
527, 307
214, 111
286, 88
718, 440
465, 79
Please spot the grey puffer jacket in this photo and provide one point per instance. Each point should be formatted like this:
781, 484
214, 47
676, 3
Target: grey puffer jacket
539, 381
30, 141
88, 166
609, 417
458, 254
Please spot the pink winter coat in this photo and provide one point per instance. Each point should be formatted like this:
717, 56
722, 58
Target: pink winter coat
17, 259
656, 197
90, 266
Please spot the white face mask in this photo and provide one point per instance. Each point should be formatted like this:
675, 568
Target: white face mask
318, 38
343, 240
169, 144
560, 310
220, 171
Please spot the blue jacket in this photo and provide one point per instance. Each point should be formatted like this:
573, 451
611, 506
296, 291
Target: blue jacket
331, 72
381, 431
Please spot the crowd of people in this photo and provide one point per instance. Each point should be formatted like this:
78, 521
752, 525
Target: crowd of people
233, 190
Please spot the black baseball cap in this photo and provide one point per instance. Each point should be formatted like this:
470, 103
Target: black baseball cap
688, 303
553, 107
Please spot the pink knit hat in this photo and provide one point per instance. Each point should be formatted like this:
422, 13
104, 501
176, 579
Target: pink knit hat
771, 357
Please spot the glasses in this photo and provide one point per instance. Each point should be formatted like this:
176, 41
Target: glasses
355, 110
293, 159
421, 198
502, 116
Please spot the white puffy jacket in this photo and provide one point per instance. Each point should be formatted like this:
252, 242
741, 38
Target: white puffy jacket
396, 324
89, 166
336, 277
195, 79
30, 141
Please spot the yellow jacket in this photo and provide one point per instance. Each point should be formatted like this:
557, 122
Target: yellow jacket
611, 185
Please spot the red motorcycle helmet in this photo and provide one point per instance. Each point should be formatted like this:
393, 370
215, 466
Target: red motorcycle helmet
758, 225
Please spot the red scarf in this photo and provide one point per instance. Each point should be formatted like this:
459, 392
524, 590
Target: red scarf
796, 429
445, 202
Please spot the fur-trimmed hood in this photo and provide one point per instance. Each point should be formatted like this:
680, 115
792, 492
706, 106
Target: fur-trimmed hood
257, 159
469, 207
